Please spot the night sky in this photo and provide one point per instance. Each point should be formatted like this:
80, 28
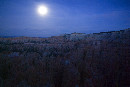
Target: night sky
20, 17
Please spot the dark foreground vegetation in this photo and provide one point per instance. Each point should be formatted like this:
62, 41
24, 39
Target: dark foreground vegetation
70, 60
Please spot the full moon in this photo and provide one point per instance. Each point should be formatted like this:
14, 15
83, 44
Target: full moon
42, 10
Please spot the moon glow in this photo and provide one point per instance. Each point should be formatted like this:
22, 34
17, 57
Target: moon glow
42, 10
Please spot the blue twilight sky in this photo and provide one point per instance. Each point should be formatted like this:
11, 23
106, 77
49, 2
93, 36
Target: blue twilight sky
20, 17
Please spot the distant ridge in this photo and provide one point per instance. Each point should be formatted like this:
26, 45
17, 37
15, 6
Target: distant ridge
8, 36
19, 36
74, 33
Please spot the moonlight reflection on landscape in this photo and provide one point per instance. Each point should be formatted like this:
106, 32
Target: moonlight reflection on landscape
64, 43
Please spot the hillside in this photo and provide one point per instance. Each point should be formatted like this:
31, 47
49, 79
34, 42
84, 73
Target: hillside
68, 60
